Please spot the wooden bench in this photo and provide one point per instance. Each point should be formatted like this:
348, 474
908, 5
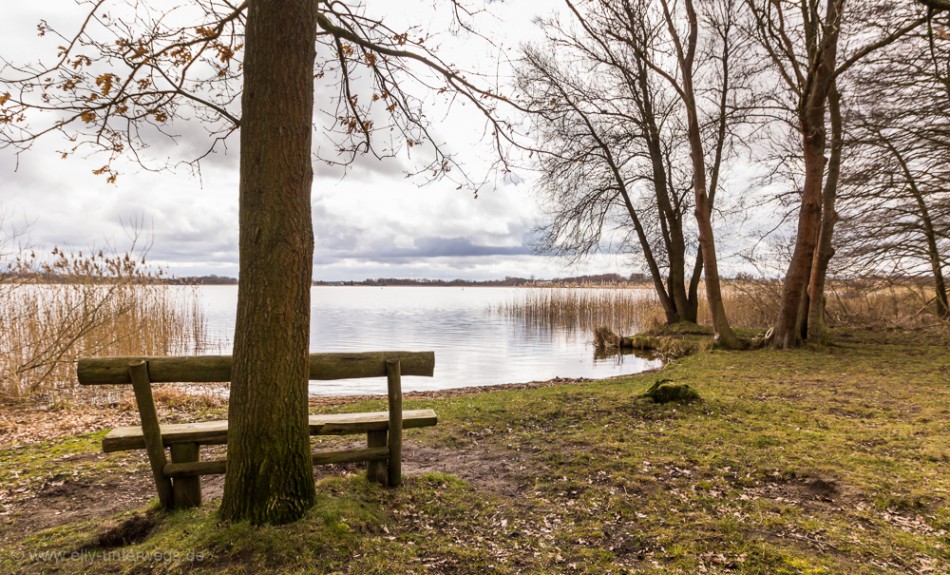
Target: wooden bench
178, 482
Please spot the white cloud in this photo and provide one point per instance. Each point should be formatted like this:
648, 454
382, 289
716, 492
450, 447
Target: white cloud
369, 219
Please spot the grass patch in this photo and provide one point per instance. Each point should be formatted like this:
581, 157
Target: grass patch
829, 460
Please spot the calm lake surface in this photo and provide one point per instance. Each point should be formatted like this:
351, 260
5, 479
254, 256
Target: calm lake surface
473, 344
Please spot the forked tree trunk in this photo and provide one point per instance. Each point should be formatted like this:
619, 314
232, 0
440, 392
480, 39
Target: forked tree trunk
788, 329
671, 221
669, 307
795, 301
829, 217
269, 475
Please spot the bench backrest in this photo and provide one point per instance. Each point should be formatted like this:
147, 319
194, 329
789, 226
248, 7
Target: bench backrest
217, 368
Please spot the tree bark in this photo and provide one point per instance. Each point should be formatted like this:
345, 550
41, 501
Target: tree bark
829, 217
669, 306
702, 208
671, 221
269, 472
795, 301
940, 284
694, 280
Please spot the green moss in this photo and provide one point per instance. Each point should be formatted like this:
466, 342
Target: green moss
664, 391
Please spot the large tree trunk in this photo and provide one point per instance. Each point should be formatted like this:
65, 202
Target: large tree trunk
795, 301
829, 217
788, 329
269, 475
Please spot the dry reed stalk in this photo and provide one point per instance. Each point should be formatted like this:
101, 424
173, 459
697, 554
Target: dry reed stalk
101, 305
622, 310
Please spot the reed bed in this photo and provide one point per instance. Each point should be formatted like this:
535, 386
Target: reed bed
624, 310
99, 305
751, 304
875, 303
882, 303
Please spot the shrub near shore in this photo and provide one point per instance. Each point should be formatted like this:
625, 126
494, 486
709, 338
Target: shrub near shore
807, 461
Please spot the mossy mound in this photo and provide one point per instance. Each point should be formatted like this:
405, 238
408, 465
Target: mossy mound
642, 342
667, 348
665, 391
605, 338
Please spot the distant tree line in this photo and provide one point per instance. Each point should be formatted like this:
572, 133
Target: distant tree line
611, 279
203, 280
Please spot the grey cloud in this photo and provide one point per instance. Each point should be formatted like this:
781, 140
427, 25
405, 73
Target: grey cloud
423, 248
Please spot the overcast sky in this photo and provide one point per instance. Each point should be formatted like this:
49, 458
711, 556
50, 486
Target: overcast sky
372, 222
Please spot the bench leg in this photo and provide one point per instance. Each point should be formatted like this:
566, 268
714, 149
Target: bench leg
376, 471
186, 490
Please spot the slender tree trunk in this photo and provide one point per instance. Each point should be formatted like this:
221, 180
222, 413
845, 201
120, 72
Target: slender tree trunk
940, 284
795, 301
829, 217
693, 291
724, 332
707, 243
716, 167
702, 208
669, 306
270, 477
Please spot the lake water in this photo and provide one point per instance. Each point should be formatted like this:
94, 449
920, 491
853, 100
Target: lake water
473, 345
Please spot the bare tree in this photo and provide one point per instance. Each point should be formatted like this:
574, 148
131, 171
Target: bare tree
133, 74
684, 27
896, 194
802, 39
606, 146
609, 108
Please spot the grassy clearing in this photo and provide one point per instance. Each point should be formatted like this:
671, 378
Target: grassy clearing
795, 462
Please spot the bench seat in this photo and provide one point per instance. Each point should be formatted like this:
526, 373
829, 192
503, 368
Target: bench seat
215, 432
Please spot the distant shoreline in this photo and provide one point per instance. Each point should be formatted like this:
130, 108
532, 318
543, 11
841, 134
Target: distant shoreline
594, 281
